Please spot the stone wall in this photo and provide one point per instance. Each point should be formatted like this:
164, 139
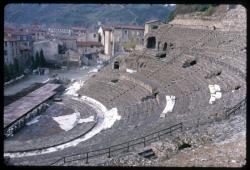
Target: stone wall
198, 23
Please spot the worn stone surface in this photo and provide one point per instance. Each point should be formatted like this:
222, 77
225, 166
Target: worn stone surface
213, 50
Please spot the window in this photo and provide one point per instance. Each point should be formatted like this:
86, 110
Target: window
5, 44
94, 36
126, 32
91, 46
5, 52
154, 27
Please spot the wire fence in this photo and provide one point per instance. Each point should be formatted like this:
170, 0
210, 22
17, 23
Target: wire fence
125, 146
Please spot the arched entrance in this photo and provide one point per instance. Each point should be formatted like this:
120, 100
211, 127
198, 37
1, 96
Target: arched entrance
158, 46
165, 46
151, 42
116, 65
99, 38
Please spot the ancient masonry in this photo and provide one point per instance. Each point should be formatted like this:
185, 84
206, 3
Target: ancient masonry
169, 82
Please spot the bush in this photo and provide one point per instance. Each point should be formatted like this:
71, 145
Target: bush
129, 45
210, 10
202, 8
171, 16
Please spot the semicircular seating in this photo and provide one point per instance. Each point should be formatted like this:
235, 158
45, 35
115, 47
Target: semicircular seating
213, 50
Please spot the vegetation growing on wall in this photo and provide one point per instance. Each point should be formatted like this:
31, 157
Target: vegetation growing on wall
130, 45
16, 69
204, 9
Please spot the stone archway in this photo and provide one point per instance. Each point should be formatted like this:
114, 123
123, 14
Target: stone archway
116, 65
165, 46
151, 42
158, 46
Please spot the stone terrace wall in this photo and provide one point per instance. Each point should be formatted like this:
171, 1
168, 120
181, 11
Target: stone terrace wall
229, 19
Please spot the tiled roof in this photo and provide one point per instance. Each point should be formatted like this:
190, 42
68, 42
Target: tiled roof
88, 43
8, 29
78, 28
151, 21
8, 38
128, 27
105, 28
23, 47
22, 33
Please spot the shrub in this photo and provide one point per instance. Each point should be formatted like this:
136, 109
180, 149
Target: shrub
210, 10
171, 16
129, 45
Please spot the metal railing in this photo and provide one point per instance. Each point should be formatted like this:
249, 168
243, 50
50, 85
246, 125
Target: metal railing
233, 110
109, 151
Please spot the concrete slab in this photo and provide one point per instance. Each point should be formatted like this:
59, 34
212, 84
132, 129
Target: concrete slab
22, 106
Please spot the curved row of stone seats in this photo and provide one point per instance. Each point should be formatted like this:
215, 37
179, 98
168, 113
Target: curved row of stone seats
124, 129
226, 80
169, 92
196, 75
228, 60
234, 59
122, 92
228, 65
190, 35
209, 80
84, 109
164, 79
237, 63
205, 86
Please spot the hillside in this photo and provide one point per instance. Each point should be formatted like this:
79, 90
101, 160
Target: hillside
86, 15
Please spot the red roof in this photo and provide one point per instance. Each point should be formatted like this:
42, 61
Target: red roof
134, 27
105, 28
151, 21
23, 47
8, 38
8, 29
65, 37
22, 33
78, 28
88, 43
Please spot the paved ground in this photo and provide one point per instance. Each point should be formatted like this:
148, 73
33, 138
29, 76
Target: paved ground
76, 73
24, 83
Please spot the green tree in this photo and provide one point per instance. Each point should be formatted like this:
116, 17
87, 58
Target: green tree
16, 67
11, 71
42, 59
171, 16
37, 60
32, 59
6, 73
129, 45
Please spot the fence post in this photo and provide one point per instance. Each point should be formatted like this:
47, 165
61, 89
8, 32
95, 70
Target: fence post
144, 141
87, 158
109, 153
171, 130
64, 160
